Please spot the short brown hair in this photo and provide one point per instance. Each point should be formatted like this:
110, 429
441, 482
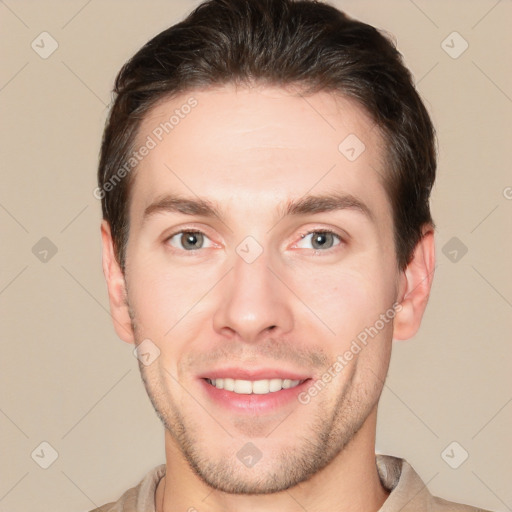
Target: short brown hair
278, 43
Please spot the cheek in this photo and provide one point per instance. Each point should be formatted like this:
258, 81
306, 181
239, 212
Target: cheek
159, 297
345, 300
351, 303
170, 306
160, 303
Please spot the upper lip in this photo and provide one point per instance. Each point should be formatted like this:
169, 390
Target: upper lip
253, 374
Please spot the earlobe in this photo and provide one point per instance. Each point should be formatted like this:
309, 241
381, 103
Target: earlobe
415, 286
116, 286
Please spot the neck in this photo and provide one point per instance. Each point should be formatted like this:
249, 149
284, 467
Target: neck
350, 483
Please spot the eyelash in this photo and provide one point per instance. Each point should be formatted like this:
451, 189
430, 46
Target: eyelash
302, 236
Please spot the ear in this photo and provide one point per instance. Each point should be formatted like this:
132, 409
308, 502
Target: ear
414, 288
116, 287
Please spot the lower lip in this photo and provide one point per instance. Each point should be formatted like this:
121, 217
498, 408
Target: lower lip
253, 403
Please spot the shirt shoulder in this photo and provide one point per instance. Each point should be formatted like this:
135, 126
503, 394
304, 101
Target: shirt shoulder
441, 505
140, 498
408, 492
108, 507
127, 502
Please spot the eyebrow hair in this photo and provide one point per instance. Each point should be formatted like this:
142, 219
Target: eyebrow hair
324, 203
307, 205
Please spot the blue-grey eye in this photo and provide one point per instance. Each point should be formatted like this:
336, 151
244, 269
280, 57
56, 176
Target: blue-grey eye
320, 240
189, 240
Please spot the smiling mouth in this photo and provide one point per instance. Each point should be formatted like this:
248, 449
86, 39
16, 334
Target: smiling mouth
254, 387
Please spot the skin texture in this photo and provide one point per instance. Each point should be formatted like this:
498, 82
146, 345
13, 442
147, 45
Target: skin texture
250, 151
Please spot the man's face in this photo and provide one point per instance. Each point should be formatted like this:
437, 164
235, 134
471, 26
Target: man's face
258, 295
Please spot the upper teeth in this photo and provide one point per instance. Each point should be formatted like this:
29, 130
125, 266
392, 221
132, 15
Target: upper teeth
258, 387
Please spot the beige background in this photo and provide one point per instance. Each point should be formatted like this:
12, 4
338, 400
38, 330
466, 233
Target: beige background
68, 380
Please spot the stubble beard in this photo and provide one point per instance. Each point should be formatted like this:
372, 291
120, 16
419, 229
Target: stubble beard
328, 435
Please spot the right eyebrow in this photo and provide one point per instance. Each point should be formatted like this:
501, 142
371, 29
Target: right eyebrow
174, 204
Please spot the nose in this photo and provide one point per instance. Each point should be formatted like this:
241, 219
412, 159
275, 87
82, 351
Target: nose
253, 302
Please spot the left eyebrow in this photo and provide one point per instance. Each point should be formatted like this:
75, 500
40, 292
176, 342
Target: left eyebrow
312, 204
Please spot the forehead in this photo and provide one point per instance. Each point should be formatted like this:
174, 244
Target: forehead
248, 147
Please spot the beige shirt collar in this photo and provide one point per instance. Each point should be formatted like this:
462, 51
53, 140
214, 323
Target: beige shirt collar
408, 492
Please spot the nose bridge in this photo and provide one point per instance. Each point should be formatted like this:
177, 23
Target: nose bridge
252, 299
